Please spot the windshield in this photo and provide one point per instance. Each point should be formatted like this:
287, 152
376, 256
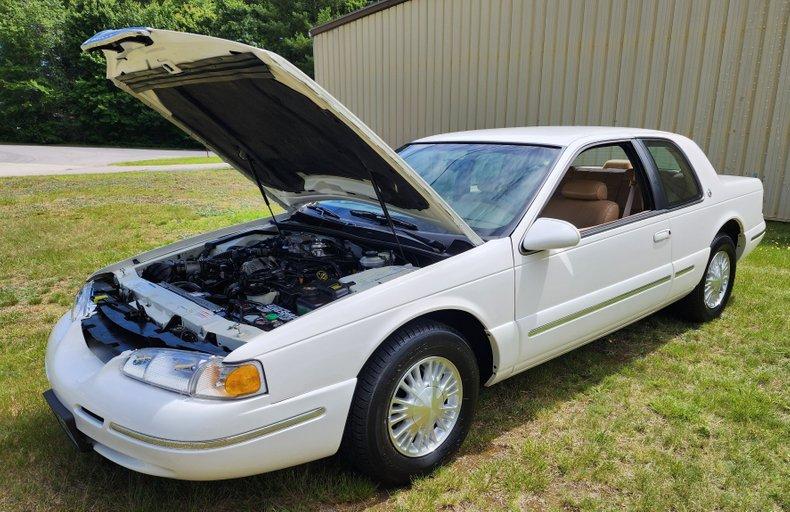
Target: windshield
488, 185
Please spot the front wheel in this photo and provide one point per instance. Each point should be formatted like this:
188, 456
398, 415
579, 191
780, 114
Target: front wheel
413, 405
711, 295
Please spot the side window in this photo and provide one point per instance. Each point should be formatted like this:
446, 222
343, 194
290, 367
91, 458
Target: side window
675, 173
605, 183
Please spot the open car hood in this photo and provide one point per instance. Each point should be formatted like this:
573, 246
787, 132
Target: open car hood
269, 120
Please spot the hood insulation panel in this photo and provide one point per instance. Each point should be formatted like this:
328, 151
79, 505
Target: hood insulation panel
234, 104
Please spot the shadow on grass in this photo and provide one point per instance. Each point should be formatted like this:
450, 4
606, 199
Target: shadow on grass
77, 482
516, 401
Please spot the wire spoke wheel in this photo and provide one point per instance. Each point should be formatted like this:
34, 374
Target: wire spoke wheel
425, 406
717, 279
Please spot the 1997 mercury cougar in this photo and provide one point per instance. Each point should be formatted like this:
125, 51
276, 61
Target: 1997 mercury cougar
366, 317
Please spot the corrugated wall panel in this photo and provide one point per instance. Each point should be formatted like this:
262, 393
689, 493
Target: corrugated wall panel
717, 71
777, 184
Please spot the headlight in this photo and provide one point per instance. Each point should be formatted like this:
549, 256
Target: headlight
83, 305
195, 374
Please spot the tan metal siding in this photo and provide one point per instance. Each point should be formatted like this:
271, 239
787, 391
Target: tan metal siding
717, 71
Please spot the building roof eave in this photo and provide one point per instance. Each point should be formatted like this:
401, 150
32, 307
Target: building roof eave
355, 15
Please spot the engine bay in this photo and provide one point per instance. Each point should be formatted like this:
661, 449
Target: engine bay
271, 281
215, 297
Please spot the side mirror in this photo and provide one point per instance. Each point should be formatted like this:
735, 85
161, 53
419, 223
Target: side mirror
546, 233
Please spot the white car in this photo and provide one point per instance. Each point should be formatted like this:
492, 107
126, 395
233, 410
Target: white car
367, 316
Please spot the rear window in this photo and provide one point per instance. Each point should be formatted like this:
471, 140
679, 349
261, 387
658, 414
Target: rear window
675, 173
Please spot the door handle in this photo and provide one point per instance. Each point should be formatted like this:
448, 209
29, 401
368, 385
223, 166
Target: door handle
662, 235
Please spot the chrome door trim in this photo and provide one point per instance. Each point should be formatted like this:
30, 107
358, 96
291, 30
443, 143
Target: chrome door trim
586, 311
684, 271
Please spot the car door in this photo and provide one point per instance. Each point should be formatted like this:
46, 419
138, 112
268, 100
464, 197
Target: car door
683, 196
621, 270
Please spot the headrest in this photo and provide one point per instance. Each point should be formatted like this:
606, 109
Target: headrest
618, 164
586, 190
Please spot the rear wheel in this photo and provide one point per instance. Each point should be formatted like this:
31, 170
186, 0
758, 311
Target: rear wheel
413, 405
711, 295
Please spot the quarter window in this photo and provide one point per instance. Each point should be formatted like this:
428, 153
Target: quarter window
676, 176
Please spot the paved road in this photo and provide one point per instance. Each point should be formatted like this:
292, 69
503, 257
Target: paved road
23, 160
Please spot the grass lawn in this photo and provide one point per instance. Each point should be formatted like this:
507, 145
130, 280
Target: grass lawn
661, 415
185, 160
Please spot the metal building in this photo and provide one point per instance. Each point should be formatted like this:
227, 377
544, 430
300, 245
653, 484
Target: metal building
717, 71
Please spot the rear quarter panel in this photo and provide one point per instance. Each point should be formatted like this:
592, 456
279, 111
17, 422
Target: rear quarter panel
724, 198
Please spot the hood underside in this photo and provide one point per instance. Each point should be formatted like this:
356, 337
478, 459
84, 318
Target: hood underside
269, 120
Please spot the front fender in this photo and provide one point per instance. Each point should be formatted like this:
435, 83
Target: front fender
340, 354
332, 344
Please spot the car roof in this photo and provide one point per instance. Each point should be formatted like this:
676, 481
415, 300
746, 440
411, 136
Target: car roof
545, 135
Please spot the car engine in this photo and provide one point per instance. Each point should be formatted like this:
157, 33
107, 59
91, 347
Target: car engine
214, 297
268, 282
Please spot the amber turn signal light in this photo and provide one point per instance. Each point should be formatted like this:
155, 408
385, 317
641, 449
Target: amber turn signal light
243, 380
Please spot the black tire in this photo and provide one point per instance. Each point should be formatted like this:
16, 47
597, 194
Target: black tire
692, 306
366, 441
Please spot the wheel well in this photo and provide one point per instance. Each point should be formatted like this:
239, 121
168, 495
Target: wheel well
473, 331
732, 228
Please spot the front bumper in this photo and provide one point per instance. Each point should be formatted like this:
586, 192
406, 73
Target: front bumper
161, 433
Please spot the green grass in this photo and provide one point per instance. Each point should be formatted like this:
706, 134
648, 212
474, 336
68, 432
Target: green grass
663, 415
185, 160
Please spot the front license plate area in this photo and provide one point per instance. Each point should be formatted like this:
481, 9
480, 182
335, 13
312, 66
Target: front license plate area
66, 421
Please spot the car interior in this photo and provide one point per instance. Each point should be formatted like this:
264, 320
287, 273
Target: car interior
601, 186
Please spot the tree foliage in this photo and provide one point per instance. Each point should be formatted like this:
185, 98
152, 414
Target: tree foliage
51, 92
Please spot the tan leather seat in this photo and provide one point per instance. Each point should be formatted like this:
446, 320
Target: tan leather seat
583, 203
622, 164
617, 175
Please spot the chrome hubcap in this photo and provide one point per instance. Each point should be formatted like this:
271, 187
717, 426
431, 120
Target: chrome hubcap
717, 279
425, 406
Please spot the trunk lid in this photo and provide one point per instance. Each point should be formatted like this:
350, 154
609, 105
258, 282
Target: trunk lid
269, 120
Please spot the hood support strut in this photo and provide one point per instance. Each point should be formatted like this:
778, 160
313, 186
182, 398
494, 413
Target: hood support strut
386, 212
244, 156
382, 203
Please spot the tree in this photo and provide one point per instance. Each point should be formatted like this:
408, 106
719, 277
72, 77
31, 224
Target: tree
28, 65
51, 92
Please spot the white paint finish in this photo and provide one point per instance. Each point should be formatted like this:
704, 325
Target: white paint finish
545, 135
312, 362
608, 274
546, 234
79, 381
714, 70
551, 285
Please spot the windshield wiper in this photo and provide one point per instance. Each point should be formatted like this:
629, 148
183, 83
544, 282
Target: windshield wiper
323, 211
381, 219
402, 224
433, 245
438, 246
